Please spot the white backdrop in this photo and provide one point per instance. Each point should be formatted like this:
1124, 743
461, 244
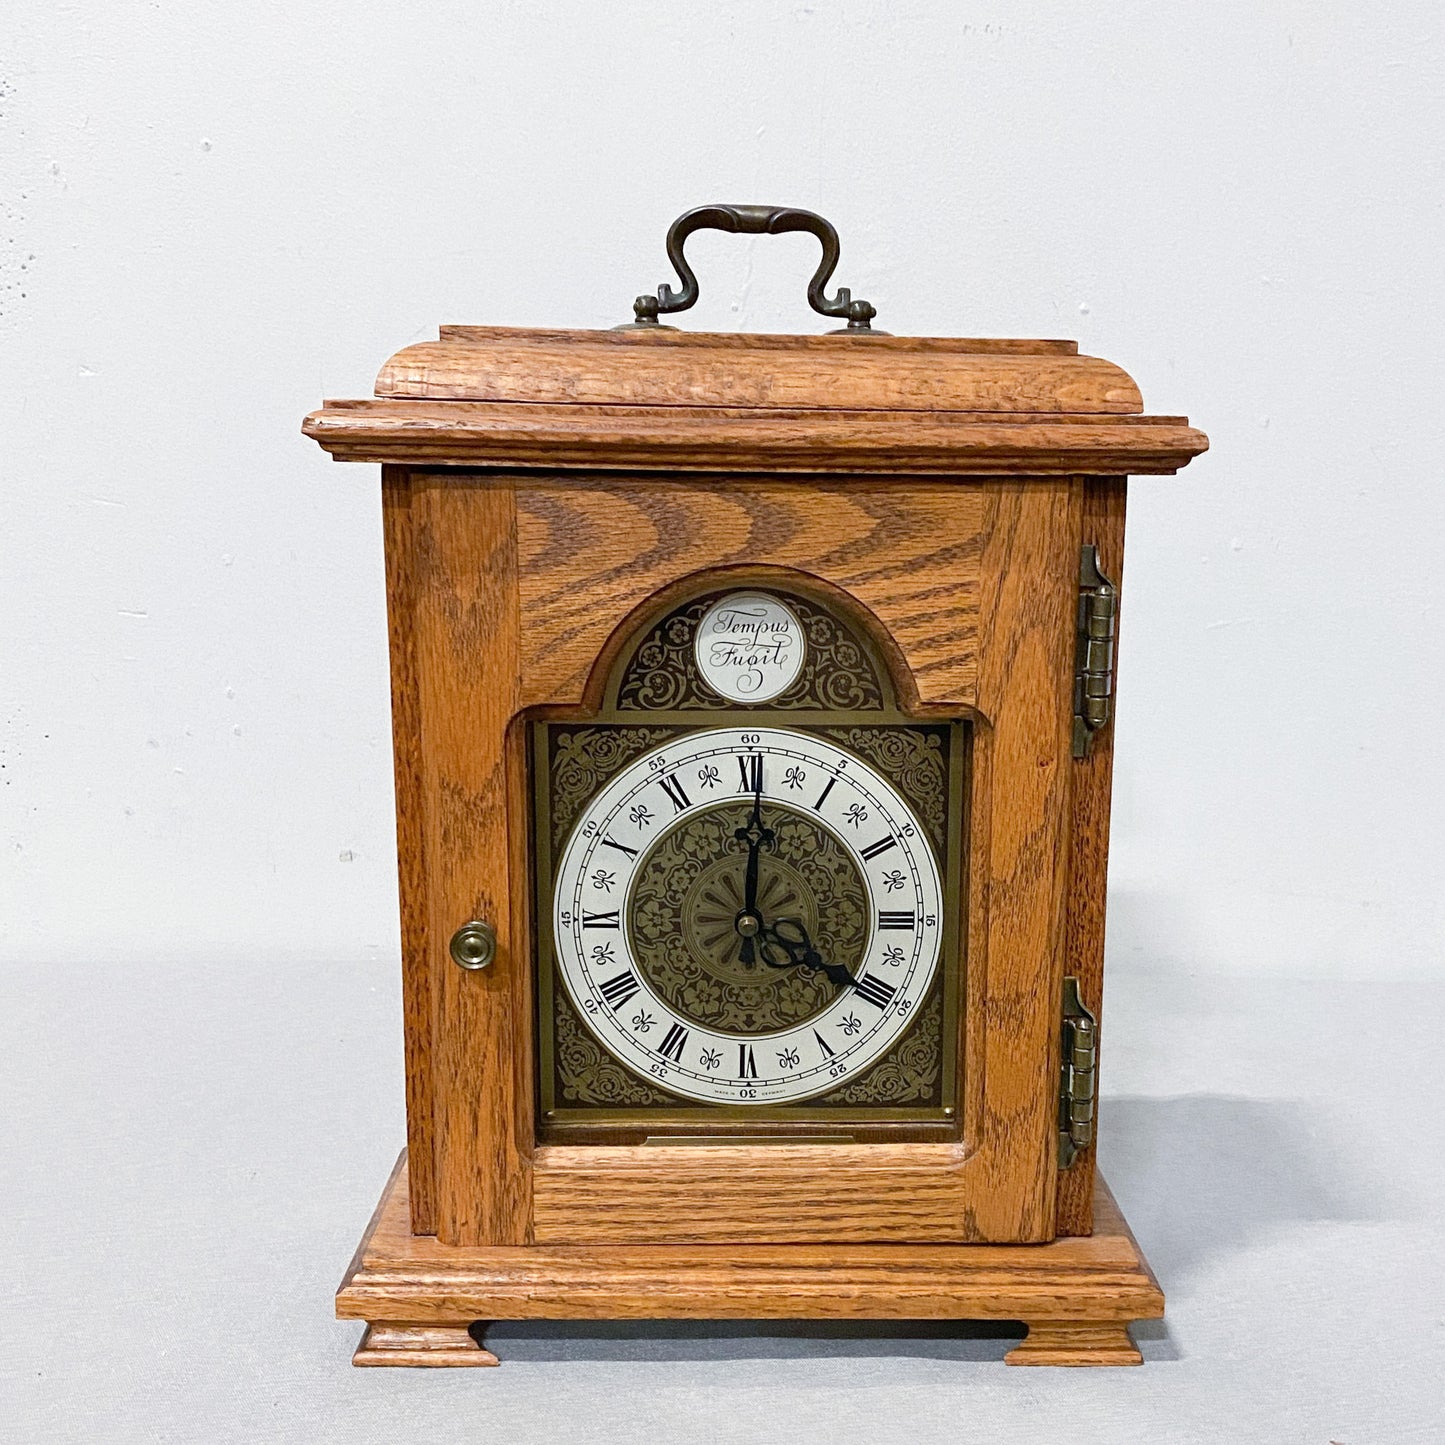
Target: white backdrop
217, 215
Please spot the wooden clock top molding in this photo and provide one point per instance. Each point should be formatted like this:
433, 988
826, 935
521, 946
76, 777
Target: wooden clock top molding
672, 401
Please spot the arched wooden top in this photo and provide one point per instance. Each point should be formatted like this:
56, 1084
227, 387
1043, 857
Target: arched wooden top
672, 401
826, 373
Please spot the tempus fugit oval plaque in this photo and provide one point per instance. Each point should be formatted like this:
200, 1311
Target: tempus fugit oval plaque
749, 647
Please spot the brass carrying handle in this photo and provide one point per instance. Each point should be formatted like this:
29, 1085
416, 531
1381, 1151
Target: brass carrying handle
753, 221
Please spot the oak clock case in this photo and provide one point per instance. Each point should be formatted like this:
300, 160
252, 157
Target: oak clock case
751, 703
748, 885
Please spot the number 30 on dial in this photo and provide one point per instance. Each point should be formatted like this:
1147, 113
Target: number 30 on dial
728, 800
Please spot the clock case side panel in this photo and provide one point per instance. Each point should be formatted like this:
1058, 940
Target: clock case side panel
1020, 851
418, 983
1104, 500
653, 1119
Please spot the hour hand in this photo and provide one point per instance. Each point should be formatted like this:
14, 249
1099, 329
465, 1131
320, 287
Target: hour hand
835, 972
786, 944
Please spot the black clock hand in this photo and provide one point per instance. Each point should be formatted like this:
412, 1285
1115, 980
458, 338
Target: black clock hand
786, 944
749, 921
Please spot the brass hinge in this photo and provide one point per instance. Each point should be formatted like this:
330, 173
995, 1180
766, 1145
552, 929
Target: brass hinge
1094, 667
1078, 1063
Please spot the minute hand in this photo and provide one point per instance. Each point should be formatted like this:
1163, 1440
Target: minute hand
754, 835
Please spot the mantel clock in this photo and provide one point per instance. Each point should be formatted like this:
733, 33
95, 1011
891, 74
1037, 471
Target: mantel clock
751, 705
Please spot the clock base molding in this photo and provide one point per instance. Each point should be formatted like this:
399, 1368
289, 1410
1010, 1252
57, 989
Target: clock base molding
422, 1300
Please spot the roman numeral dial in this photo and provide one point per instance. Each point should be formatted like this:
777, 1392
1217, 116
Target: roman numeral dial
745, 916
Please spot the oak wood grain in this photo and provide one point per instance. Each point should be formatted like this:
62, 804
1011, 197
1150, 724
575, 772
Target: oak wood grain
524, 435
420, 983
563, 482
1076, 1342
755, 1193
764, 341
498, 625
661, 368
1012, 599
1019, 851
405, 1343
1103, 526
467, 658
594, 549
404, 1282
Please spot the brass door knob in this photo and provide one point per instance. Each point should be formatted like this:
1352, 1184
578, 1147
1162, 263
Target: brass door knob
474, 945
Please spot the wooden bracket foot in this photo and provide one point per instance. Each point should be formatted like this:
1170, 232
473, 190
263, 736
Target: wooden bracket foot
1076, 1342
388, 1343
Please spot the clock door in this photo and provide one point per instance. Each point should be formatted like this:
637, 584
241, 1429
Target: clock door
749, 883
761, 785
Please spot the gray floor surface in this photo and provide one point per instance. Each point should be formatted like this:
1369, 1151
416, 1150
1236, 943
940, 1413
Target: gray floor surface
189, 1156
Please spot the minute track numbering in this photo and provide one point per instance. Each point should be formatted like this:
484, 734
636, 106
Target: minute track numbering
787, 776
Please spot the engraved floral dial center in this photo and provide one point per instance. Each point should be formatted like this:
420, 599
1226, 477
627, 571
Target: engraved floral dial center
688, 913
